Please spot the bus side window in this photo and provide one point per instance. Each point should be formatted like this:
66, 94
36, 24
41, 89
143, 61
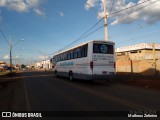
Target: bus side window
65, 56
62, 57
71, 53
75, 53
68, 55
55, 58
82, 52
79, 52
85, 50
58, 57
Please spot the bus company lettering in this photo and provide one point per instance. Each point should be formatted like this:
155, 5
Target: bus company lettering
99, 56
102, 57
67, 64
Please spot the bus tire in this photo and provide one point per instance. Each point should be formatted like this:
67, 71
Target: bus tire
56, 74
70, 76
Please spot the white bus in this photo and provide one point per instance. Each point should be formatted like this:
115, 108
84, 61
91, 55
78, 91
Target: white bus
88, 61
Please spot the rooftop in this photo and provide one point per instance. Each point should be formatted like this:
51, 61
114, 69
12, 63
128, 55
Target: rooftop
138, 47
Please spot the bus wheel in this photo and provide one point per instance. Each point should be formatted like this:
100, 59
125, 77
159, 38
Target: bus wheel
70, 76
56, 74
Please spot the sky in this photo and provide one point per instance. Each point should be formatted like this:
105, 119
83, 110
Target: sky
47, 26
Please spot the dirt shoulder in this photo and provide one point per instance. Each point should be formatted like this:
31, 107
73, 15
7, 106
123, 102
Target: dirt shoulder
152, 82
12, 97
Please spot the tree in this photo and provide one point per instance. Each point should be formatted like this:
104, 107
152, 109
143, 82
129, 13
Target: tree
23, 66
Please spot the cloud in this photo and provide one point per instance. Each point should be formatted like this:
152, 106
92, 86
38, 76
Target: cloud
16, 57
6, 57
43, 57
33, 3
23, 5
60, 13
149, 14
19, 6
90, 3
39, 12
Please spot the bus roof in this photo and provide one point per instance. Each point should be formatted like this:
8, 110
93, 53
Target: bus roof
95, 41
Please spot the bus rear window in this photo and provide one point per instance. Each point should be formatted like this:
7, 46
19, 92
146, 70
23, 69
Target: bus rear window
102, 48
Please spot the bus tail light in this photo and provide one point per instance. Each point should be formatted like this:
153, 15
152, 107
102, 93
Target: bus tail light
91, 65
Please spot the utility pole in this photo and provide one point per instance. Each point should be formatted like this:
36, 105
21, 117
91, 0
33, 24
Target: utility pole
10, 54
105, 20
154, 57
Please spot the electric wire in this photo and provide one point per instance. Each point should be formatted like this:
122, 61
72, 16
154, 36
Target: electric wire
123, 17
83, 35
93, 9
144, 35
121, 34
112, 3
133, 6
110, 14
4, 36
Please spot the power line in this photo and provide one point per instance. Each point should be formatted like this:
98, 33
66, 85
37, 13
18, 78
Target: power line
101, 20
121, 34
111, 21
137, 10
94, 31
145, 35
126, 9
4, 36
93, 9
148, 38
133, 6
82, 35
112, 3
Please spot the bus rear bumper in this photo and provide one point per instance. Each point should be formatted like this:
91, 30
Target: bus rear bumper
102, 77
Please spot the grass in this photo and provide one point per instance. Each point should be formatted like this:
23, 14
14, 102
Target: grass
4, 73
7, 73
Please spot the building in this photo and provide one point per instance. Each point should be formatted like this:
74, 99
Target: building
45, 64
141, 58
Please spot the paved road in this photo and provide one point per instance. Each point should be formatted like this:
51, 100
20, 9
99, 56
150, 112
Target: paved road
44, 92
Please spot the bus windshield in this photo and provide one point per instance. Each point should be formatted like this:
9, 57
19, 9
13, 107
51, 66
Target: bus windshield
103, 48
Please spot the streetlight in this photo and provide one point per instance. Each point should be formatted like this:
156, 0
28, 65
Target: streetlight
11, 45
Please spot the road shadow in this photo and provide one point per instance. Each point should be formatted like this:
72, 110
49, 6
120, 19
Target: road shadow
89, 82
